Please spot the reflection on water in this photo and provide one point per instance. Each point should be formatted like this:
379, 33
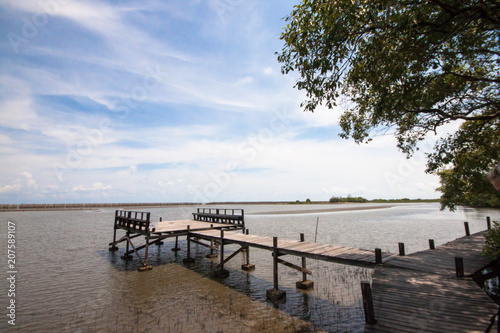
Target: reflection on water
69, 282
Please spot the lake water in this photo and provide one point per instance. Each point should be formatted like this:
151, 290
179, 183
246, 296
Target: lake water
68, 281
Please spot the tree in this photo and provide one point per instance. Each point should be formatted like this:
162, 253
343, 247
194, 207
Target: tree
470, 153
492, 242
406, 66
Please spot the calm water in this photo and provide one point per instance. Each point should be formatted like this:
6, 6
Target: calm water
68, 281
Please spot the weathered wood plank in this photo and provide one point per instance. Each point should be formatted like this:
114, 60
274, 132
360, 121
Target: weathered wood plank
420, 293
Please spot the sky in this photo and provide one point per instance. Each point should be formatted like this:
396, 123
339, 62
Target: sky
173, 101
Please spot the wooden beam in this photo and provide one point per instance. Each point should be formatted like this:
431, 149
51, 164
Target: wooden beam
202, 244
231, 256
289, 264
137, 253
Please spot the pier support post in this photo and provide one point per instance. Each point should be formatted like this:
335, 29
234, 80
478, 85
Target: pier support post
304, 284
188, 259
275, 295
159, 241
247, 266
378, 256
467, 231
401, 249
221, 272
114, 248
212, 254
145, 265
127, 256
176, 247
459, 267
366, 291
488, 222
431, 244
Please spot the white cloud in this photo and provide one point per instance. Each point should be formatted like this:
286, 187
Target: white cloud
268, 70
157, 153
10, 188
25, 183
29, 181
96, 187
5, 140
245, 80
18, 114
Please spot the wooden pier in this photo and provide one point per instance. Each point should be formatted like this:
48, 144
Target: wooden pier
331, 253
427, 291
432, 291
227, 226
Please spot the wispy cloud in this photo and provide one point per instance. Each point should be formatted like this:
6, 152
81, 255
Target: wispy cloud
170, 101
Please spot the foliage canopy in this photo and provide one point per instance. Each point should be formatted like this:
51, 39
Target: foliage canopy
410, 66
472, 151
492, 241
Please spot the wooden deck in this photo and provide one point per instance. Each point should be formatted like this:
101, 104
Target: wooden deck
421, 293
332, 253
180, 227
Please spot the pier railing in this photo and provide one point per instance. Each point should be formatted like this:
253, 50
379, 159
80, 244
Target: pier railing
218, 215
133, 222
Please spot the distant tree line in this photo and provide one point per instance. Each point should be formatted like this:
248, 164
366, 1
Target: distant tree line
347, 199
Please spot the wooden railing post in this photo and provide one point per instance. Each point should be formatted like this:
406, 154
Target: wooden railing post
467, 230
275, 263
378, 256
431, 244
401, 249
459, 266
366, 291
488, 222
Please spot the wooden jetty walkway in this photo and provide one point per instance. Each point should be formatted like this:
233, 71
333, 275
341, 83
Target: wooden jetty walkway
332, 253
227, 226
421, 292
428, 291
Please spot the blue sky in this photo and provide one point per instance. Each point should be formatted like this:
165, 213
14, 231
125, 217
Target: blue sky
172, 101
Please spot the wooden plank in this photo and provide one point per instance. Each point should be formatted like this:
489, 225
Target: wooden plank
420, 293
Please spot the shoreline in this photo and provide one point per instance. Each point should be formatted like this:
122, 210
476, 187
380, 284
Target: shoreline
90, 206
314, 211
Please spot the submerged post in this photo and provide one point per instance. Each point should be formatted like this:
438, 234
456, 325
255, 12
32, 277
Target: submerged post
488, 222
304, 284
366, 291
467, 231
275, 295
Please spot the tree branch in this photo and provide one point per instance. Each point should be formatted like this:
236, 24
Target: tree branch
445, 115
